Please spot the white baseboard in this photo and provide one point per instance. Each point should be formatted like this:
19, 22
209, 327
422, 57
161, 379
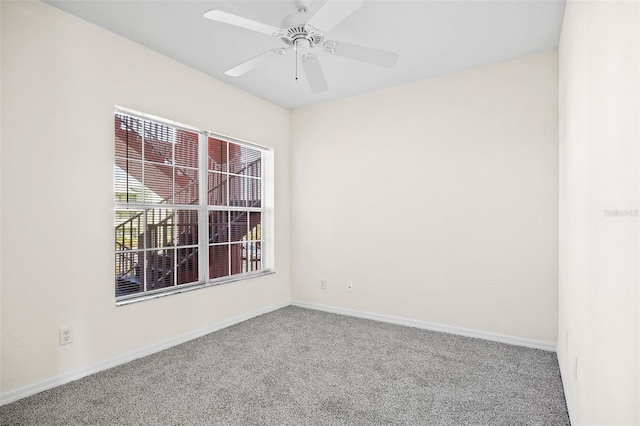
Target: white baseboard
32, 389
511, 340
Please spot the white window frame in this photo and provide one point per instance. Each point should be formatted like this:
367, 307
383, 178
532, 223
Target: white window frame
203, 208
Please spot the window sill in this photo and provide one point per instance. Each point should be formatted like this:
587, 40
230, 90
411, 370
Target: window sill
185, 288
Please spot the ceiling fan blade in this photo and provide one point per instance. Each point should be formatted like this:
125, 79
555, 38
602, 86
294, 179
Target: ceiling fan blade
361, 53
239, 21
314, 74
254, 62
332, 13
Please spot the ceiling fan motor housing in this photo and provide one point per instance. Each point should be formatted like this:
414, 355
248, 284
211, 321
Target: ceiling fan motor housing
296, 32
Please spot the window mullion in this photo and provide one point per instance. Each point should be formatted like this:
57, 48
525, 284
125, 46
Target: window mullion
264, 217
203, 217
175, 232
227, 177
143, 231
228, 191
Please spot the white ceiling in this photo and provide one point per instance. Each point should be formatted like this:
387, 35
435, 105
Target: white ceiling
431, 38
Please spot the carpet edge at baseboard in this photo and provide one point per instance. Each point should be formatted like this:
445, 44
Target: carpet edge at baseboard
478, 334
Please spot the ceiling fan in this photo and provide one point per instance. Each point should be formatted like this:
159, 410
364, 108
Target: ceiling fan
302, 30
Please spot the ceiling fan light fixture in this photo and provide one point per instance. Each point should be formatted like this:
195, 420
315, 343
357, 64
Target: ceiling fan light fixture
296, 19
303, 43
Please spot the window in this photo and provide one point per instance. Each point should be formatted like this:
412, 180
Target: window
189, 207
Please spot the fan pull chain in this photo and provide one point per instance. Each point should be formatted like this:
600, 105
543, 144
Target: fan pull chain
295, 57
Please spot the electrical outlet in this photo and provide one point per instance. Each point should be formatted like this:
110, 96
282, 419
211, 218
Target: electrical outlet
65, 335
323, 284
349, 286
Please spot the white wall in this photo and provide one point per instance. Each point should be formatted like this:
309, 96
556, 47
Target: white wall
599, 301
61, 78
438, 199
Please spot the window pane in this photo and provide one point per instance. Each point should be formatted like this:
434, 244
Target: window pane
159, 140
217, 155
129, 272
187, 260
218, 261
160, 268
187, 227
253, 159
129, 226
158, 152
238, 226
158, 183
255, 226
160, 228
217, 189
218, 227
187, 265
128, 141
245, 161
256, 259
253, 252
254, 192
127, 177
186, 153
236, 163
252, 255
237, 193
186, 186
237, 264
